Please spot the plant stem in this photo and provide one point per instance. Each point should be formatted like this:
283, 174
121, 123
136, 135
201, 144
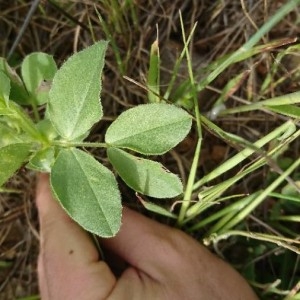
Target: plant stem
192, 175
214, 192
177, 66
79, 144
242, 154
25, 122
189, 187
288, 99
35, 111
278, 240
247, 210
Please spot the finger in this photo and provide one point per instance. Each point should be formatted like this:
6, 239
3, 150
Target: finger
145, 244
58, 231
175, 260
68, 262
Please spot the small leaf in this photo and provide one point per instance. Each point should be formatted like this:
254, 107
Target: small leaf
9, 135
12, 158
87, 191
4, 87
74, 104
291, 190
38, 69
231, 87
150, 206
46, 128
42, 161
4, 109
18, 92
150, 128
145, 176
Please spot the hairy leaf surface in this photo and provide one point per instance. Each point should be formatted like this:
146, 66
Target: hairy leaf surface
74, 104
150, 128
4, 87
38, 69
9, 135
42, 161
18, 92
145, 176
88, 192
12, 158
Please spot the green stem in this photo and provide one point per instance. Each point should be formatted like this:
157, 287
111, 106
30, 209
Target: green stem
288, 99
176, 68
35, 111
241, 155
25, 122
192, 175
189, 187
213, 193
258, 200
79, 144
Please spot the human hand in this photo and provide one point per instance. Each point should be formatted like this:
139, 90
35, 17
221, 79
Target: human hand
164, 263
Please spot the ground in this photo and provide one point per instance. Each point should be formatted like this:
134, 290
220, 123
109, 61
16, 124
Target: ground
61, 28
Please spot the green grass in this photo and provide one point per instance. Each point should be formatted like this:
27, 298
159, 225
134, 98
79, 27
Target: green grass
227, 216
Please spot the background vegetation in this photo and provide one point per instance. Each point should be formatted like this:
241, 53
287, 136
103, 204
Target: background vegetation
242, 196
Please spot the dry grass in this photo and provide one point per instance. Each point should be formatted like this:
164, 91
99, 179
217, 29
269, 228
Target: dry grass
223, 26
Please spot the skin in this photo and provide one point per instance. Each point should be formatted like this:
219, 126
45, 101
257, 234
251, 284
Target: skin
163, 263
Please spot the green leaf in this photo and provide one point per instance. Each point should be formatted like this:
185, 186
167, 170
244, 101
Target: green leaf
42, 161
38, 70
4, 87
287, 110
145, 176
150, 128
9, 135
12, 157
18, 92
157, 209
87, 191
19, 120
153, 80
46, 128
291, 190
4, 109
74, 104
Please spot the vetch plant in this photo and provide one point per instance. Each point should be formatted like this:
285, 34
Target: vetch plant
86, 189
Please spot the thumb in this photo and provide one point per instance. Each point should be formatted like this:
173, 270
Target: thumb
69, 266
